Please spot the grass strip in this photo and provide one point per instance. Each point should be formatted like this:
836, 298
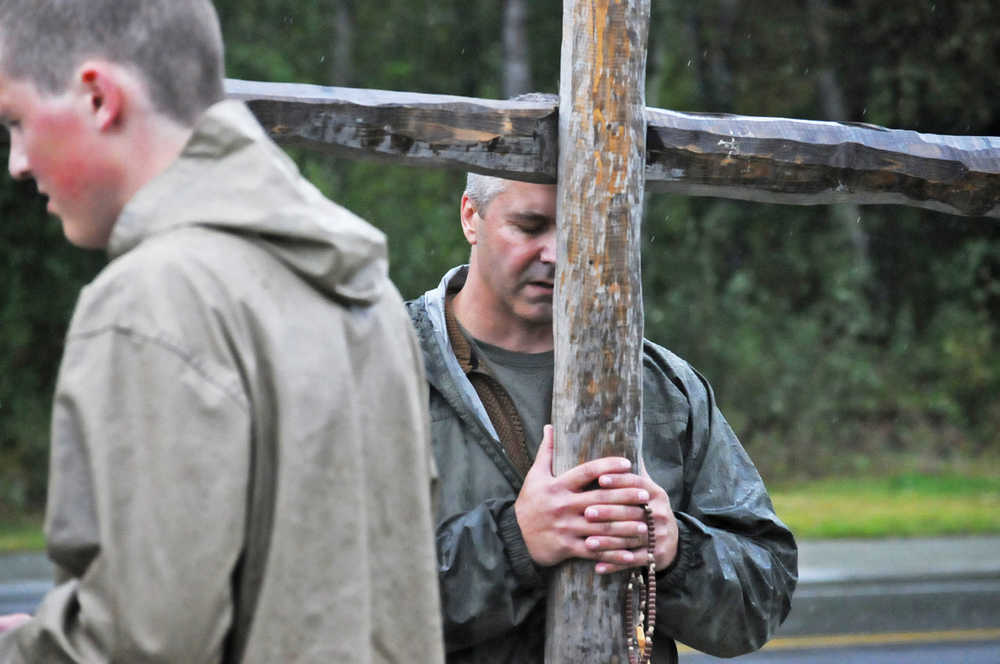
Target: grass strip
906, 505
21, 533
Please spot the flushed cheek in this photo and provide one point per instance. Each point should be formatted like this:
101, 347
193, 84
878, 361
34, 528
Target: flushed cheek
68, 179
54, 152
73, 177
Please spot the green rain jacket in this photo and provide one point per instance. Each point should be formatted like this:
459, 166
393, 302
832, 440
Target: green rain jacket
727, 592
245, 332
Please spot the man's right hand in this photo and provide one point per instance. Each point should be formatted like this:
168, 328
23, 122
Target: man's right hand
13, 621
550, 510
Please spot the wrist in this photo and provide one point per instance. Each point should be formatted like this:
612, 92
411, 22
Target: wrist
683, 559
525, 570
667, 546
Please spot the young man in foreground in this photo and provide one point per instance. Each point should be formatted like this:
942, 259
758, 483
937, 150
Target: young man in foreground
226, 483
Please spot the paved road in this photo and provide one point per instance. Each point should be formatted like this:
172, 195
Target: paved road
21, 597
896, 585
871, 602
973, 652
24, 579
919, 601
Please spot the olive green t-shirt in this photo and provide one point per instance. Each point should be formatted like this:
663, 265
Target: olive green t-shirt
527, 377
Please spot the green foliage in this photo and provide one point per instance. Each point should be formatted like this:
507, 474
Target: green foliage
418, 214
41, 279
838, 339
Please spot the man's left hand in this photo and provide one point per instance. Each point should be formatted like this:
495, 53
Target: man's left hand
664, 523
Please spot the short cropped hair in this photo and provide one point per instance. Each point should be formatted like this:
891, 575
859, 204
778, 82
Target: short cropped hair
482, 189
175, 45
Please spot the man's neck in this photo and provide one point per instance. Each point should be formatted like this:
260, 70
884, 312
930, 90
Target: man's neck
162, 140
485, 320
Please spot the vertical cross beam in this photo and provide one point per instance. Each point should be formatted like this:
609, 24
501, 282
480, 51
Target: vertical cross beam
597, 397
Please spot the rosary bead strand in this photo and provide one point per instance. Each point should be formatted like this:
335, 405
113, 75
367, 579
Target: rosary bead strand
639, 633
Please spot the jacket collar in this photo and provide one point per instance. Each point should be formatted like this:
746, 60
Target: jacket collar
444, 370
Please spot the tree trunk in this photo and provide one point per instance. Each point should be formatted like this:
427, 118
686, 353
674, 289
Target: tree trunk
831, 99
710, 57
516, 61
597, 391
342, 50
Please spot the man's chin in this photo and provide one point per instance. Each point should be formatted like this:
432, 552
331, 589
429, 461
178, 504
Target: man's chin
80, 235
538, 314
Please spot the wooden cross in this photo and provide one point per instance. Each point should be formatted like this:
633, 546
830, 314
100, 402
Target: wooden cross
606, 146
767, 160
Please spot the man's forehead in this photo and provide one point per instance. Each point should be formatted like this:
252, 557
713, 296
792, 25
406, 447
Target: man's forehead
24, 93
12, 92
5, 100
528, 195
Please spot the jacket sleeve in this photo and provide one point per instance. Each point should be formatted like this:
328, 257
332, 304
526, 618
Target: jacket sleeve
489, 584
146, 506
731, 584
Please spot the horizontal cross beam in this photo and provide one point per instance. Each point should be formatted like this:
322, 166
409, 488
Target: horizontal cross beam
767, 160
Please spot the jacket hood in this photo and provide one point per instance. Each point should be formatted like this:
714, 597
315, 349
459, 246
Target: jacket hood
230, 176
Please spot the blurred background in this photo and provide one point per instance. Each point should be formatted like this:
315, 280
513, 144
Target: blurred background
852, 348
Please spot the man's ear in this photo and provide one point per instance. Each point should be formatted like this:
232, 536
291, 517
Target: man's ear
468, 213
105, 93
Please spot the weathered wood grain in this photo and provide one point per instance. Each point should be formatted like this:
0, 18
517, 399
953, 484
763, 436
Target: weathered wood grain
513, 139
598, 320
803, 162
769, 160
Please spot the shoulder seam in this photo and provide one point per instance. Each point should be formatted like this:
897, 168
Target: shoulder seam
187, 357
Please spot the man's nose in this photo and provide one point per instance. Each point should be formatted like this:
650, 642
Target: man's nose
17, 162
548, 254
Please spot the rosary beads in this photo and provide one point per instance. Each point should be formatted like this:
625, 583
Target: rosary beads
640, 603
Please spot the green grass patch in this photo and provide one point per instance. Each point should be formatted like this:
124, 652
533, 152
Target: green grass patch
21, 533
905, 505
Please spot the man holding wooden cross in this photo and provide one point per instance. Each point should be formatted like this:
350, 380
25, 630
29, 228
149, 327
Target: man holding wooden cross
725, 564
226, 482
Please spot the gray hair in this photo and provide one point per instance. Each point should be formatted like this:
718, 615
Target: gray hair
175, 45
482, 189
